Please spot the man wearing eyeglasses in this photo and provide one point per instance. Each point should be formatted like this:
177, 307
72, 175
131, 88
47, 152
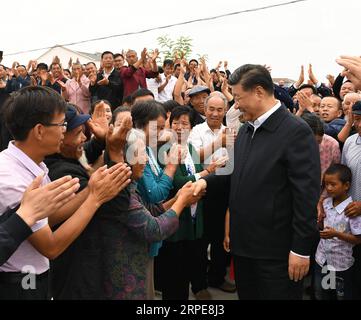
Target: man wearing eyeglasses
35, 117
351, 156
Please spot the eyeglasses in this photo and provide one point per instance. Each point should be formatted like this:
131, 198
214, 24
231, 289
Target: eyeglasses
63, 124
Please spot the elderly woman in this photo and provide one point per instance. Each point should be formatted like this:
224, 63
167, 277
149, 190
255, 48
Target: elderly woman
182, 253
127, 235
157, 181
76, 90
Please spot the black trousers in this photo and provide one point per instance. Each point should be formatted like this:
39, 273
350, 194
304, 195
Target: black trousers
356, 276
258, 279
215, 206
11, 287
179, 264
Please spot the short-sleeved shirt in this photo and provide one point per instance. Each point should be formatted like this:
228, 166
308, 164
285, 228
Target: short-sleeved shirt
202, 135
329, 152
351, 157
337, 253
167, 93
17, 171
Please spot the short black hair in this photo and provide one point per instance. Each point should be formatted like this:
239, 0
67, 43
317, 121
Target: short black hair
339, 102
170, 105
176, 65
196, 61
251, 76
30, 106
145, 111
95, 103
127, 99
42, 66
315, 123
20, 65
55, 63
91, 62
141, 92
117, 111
107, 52
344, 172
168, 62
179, 111
118, 55
310, 86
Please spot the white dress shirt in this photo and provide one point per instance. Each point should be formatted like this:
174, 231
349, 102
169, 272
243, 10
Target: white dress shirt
202, 135
167, 93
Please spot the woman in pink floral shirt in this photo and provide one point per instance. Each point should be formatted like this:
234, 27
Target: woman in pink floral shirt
76, 90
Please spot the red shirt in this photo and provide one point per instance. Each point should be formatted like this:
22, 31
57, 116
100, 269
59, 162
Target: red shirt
133, 78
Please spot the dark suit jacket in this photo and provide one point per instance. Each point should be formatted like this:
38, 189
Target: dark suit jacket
113, 92
195, 117
275, 187
13, 231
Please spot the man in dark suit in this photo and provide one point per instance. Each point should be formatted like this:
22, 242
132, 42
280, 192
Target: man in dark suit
107, 85
274, 190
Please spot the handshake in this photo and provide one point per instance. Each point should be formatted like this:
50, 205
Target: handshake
191, 193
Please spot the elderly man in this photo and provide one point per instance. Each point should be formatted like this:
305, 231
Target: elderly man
274, 190
209, 140
351, 154
134, 75
198, 95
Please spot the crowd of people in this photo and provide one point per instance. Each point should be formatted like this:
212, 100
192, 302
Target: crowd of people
131, 178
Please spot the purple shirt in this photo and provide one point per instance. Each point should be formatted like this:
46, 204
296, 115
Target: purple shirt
336, 252
17, 171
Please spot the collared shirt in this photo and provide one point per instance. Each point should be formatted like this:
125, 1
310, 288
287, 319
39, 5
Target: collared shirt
17, 171
191, 170
261, 119
202, 135
337, 253
134, 79
107, 74
153, 85
351, 157
329, 152
167, 93
78, 94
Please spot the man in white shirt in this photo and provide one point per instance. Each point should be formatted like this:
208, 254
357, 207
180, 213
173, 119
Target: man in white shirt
209, 139
167, 83
351, 157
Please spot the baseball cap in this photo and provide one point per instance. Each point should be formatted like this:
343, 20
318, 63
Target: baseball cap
356, 108
74, 119
198, 89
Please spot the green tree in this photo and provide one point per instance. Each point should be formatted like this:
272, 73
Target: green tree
181, 47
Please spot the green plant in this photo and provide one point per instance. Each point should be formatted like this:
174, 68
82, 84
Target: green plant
182, 47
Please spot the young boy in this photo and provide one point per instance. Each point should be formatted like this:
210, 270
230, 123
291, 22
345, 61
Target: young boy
334, 252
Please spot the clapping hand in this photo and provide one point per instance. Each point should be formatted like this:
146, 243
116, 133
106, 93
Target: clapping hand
40, 202
116, 139
103, 82
98, 124
105, 184
352, 69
